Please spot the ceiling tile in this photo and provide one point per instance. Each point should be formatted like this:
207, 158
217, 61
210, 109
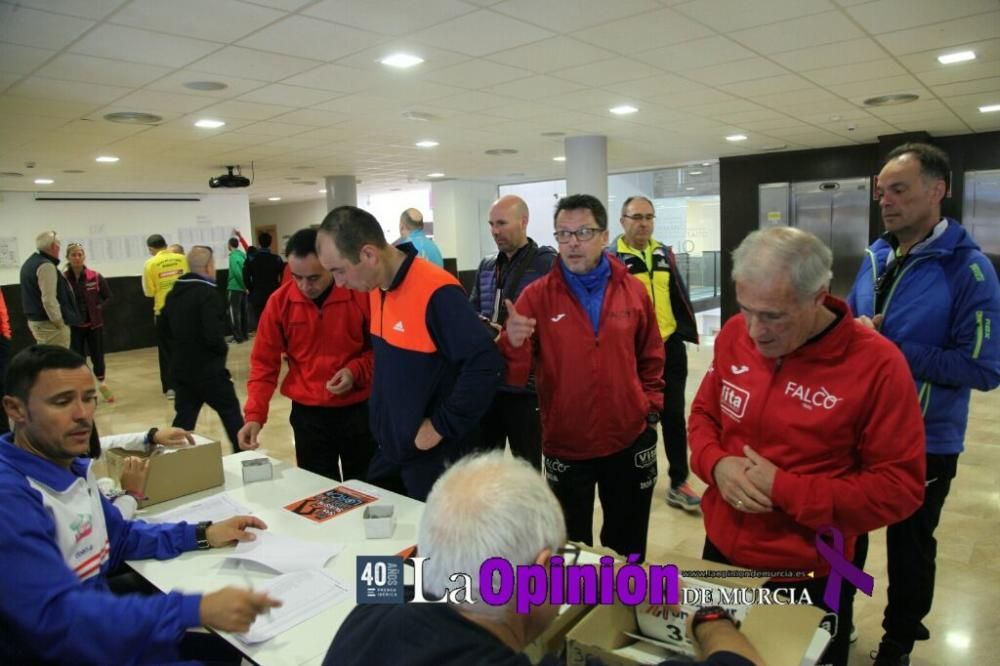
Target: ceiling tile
829, 55
333, 77
895, 84
41, 107
481, 33
131, 45
607, 72
388, 17
69, 91
271, 128
154, 101
310, 38
278, 93
698, 53
472, 101
234, 86
794, 98
987, 50
730, 15
969, 72
245, 110
73, 67
770, 85
892, 15
742, 70
862, 71
311, 117
644, 32
799, 33
247, 63
534, 88
661, 84
88, 9
219, 20
16, 59
705, 96
968, 88
26, 121
286, 5
411, 90
434, 58
943, 34
476, 74
360, 105
571, 15
551, 54
27, 27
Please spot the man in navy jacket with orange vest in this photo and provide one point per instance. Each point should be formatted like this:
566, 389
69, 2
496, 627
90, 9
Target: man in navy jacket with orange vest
436, 367
593, 341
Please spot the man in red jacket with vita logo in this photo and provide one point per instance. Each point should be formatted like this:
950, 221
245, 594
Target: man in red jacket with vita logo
806, 419
589, 330
322, 330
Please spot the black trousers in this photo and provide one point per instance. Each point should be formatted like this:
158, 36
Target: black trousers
513, 416
89, 340
413, 478
218, 393
330, 438
838, 624
163, 353
238, 315
624, 482
912, 551
675, 372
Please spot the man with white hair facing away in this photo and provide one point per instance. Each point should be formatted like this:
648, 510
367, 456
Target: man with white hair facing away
46, 297
482, 507
806, 425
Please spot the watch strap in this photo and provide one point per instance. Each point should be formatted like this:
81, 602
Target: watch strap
201, 534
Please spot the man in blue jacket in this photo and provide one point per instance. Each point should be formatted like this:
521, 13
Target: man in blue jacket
926, 286
59, 537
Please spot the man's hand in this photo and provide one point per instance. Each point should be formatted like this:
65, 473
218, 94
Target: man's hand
134, 473
730, 475
247, 436
519, 328
233, 529
427, 437
173, 437
762, 472
874, 323
341, 382
232, 609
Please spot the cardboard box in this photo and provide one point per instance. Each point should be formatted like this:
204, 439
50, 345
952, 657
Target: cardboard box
552, 640
174, 472
783, 635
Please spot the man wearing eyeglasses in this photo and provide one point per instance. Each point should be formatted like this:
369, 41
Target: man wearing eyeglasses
593, 342
653, 264
519, 261
192, 325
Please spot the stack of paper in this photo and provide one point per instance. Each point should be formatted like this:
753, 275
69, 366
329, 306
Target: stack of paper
215, 508
285, 554
303, 594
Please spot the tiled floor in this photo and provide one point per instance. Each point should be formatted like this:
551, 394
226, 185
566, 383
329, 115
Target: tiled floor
968, 589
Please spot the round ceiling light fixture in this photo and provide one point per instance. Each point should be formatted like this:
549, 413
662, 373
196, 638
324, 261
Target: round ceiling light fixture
891, 99
133, 118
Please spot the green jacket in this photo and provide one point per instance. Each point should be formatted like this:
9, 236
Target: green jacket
236, 260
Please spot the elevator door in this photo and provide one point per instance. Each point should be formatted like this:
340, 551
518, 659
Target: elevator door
835, 211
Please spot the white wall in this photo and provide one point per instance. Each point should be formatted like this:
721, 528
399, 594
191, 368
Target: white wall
120, 228
288, 218
461, 209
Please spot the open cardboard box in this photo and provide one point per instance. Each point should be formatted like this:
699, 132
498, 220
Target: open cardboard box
783, 635
174, 472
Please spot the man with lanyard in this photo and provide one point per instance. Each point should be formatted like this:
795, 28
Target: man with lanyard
654, 265
519, 261
928, 287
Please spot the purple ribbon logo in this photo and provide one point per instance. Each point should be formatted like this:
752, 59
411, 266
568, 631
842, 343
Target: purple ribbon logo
840, 568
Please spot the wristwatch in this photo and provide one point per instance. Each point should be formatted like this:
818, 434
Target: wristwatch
652, 418
711, 614
201, 535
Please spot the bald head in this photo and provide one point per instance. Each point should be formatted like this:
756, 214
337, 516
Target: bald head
200, 261
410, 220
509, 223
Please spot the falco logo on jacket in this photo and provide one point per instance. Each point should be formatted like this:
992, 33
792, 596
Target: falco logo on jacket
739, 369
812, 397
733, 400
559, 316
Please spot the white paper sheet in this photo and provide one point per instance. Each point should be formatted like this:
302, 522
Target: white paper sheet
215, 508
303, 594
285, 554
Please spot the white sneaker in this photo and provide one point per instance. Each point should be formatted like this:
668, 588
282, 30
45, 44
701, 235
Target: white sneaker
170, 394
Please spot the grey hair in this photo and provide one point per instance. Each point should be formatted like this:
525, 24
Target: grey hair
44, 240
486, 506
199, 258
766, 253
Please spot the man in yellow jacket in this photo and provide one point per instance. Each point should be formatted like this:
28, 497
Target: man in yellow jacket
159, 274
653, 264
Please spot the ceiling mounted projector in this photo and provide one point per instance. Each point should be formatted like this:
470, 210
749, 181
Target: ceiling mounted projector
229, 179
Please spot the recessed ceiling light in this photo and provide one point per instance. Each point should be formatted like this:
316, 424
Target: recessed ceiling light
958, 56
44, 181
401, 60
706, 164
889, 100
427, 143
736, 137
695, 173
419, 116
436, 174
322, 191
133, 118
107, 158
989, 108
561, 158
206, 85
209, 124
623, 110
274, 198
689, 189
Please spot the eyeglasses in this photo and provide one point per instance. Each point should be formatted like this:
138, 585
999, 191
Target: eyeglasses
639, 217
570, 553
582, 235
